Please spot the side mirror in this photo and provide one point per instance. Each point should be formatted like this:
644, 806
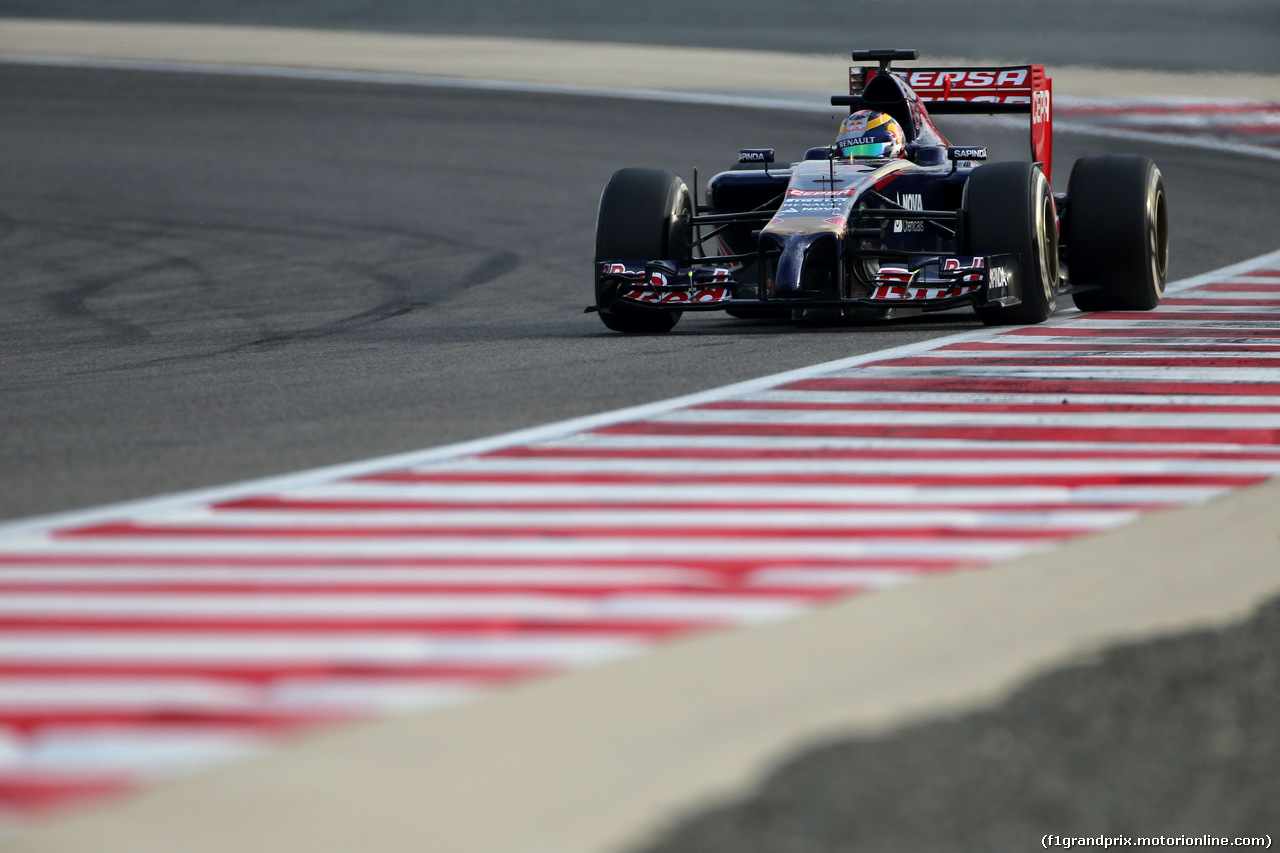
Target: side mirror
755, 155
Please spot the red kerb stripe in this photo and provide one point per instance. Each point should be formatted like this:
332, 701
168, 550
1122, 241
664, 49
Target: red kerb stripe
1171, 332
1091, 361
264, 722
33, 794
730, 565
1238, 287
649, 630
1093, 346
543, 507
1065, 407
1236, 317
760, 452
981, 385
268, 671
1206, 302
1144, 435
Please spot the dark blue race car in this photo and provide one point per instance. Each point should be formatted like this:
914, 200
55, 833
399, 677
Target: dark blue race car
890, 220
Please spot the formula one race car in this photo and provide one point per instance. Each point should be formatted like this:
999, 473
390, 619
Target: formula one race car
890, 220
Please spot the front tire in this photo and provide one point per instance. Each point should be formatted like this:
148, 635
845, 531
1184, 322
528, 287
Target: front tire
1117, 233
1009, 210
644, 213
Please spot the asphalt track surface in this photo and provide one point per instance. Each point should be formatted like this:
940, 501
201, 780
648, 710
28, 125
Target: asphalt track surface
1233, 35
212, 278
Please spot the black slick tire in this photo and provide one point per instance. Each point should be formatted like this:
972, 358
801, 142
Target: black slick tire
1117, 233
1009, 210
644, 214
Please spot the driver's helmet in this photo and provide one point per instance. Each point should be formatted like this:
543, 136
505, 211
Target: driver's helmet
869, 135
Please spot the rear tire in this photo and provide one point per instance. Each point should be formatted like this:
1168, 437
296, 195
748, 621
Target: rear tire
1009, 211
644, 213
1117, 233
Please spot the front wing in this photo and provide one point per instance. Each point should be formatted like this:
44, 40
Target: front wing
929, 282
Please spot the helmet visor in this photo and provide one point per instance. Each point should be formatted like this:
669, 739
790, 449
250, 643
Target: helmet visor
857, 148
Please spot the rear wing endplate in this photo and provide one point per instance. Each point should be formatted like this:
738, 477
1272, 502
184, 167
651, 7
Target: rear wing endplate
1012, 89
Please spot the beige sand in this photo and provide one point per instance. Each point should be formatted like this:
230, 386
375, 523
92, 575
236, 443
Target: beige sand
538, 61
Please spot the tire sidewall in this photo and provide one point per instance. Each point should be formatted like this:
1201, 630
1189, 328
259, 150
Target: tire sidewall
643, 214
1117, 233
1009, 210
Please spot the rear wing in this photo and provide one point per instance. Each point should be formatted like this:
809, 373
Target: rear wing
1017, 89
